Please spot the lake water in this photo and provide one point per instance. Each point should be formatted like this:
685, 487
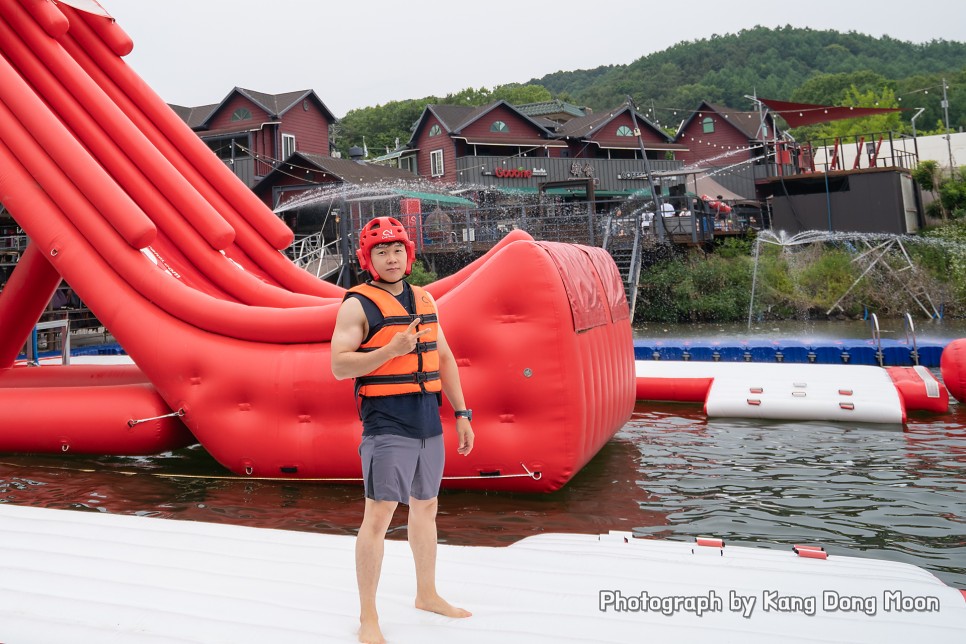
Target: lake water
890, 492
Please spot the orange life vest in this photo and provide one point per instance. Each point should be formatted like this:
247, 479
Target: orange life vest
415, 372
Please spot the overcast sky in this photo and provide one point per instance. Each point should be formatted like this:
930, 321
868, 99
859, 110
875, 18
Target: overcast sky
359, 53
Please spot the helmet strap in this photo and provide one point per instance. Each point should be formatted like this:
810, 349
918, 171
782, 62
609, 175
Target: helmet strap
382, 281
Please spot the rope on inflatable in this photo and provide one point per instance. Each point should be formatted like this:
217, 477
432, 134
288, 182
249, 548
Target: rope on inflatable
132, 422
536, 476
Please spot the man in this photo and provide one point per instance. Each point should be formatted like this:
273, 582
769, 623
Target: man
388, 338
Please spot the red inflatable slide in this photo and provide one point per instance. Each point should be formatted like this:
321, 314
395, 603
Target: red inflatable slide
181, 263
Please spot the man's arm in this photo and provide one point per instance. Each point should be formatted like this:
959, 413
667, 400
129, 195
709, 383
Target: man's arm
350, 331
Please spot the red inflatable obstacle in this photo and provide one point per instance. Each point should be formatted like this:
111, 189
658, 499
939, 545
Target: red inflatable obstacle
111, 410
179, 260
919, 389
952, 364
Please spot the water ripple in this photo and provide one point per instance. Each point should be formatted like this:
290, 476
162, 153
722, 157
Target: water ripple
859, 490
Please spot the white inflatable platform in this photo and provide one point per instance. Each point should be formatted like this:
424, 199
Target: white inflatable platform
857, 393
68, 576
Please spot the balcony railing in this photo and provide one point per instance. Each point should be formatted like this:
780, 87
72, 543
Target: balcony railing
860, 151
525, 174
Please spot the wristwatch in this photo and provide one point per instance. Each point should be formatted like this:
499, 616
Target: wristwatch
464, 413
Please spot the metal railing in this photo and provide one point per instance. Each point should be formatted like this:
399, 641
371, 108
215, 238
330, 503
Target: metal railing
58, 327
314, 255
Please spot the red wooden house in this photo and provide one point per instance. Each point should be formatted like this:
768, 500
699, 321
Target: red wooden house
445, 133
499, 146
253, 131
718, 136
613, 135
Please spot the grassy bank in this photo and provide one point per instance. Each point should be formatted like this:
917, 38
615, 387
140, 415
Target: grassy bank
834, 278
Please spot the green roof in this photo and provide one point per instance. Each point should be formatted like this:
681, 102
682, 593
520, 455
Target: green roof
599, 193
514, 189
436, 198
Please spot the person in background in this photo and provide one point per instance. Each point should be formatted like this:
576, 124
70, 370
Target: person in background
388, 337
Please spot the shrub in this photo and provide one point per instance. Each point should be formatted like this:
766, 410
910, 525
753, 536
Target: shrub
421, 276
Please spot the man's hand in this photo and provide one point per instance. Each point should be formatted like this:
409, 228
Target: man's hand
405, 341
465, 433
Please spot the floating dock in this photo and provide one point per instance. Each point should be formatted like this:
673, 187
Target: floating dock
884, 353
69, 576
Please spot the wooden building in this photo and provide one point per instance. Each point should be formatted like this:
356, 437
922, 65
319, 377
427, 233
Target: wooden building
499, 146
253, 131
736, 146
304, 172
872, 200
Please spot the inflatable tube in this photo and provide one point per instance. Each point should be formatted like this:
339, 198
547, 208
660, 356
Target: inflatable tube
23, 300
48, 16
77, 375
89, 420
107, 29
35, 213
248, 288
952, 365
194, 151
265, 262
52, 138
115, 133
652, 385
96, 410
919, 389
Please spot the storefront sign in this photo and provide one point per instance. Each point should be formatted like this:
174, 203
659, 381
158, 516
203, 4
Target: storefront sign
513, 173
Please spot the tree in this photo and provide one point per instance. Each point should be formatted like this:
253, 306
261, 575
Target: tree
833, 89
516, 94
381, 125
928, 176
949, 191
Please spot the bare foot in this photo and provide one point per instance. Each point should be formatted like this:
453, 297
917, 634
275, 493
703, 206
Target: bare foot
442, 607
370, 633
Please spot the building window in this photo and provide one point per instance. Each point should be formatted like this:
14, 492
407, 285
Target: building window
625, 131
288, 145
434, 131
228, 149
241, 114
499, 126
436, 163
708, 125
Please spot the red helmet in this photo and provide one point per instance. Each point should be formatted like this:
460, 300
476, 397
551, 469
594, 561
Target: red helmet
383, 230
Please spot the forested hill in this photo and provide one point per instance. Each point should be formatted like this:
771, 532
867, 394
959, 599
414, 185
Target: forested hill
774, 63
787, 63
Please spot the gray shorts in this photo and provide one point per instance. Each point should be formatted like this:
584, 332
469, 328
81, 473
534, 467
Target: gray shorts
395, 468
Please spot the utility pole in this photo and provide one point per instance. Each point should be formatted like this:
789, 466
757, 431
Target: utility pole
949, 137
658, 221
